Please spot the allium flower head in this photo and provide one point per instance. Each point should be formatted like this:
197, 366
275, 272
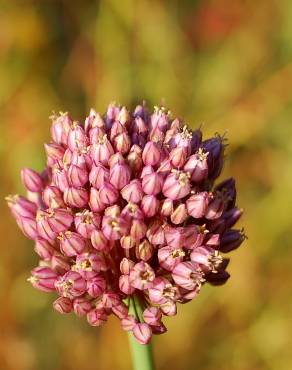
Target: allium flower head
126, 211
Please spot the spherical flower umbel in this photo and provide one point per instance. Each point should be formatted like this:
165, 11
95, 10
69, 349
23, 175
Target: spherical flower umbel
126, 212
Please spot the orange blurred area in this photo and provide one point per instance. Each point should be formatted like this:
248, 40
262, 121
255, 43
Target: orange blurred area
224, 63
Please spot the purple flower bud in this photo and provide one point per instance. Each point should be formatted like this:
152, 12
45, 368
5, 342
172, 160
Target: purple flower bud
141, 275
187, 275
215, 207
142, 333
28, 227
81, 306
70, 285
31, 180
176, 185
151, 153
96, 317
86, 222
197, 166
145, 251
96, 286
71, 243
232, 216
76, 197
125, 285
96, 134
63, 305
133, 192
169, 257
152, 316
152, 183
43, 278
77, 176
120, 175
150, 205
231, 240
228, 190
116, 129
108, 194
53, 197
128, 323
179, 215
197, 204
98, 176
44, 249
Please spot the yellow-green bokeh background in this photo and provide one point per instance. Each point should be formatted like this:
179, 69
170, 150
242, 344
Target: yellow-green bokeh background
224, 63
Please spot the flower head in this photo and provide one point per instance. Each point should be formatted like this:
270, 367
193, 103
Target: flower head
127, 211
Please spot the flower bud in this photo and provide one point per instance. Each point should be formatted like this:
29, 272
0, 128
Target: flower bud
167, 207
21, 207
53, 197
99, 241
77, 176
98, 176
144, 251
152, 316
125, 285
120, 175
169, 257
176, 185
128, 242
71, 243
101, 151
128, 323
31, 180
89, 265
96, 317
81, 306
152, 183
122, 143
120, 310
54, 152
60, 264
43, 278
138, 229
134, 159
197, 166
28, 226
114, 228
197, 204
133, 192
150, 205
215, 207
179, 215
141, 275
86, 222
151, 153
187, 275
96, 286
63, 305
76, 197
142, 333
178, 156
231, 240
126, 265
60, 127
44, 249
77, 139
95, 204
108, 194
70, 285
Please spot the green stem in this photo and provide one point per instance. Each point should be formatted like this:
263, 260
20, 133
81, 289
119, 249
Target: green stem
142, 358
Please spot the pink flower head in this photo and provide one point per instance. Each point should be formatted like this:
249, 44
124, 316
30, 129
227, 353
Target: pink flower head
128, 212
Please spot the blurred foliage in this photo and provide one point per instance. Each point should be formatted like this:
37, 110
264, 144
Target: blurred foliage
224, 63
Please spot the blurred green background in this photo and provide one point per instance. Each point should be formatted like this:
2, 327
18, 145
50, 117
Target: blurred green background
224, 63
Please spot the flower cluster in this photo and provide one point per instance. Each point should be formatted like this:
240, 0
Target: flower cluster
126, 218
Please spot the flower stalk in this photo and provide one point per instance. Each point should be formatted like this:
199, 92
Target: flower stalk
141, 354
